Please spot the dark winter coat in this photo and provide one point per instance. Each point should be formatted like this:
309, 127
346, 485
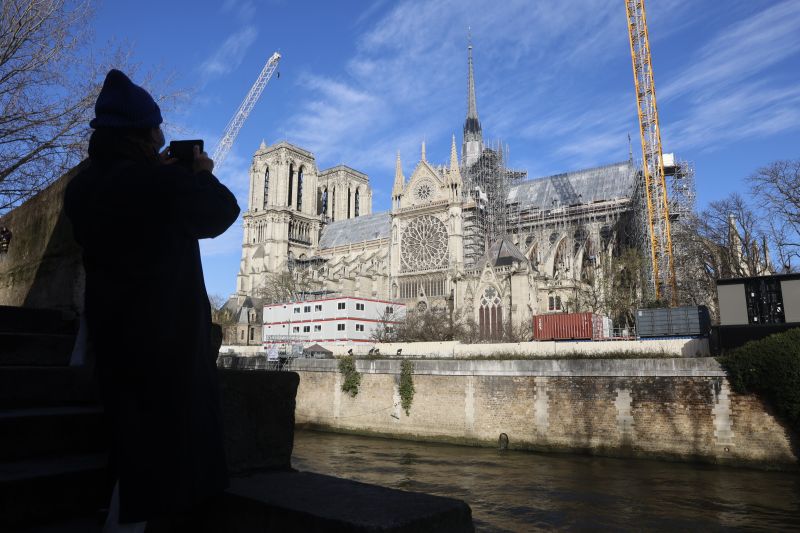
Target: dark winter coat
149, 322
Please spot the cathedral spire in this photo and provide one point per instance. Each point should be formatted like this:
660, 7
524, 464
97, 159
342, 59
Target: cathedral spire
472, 106
473, 136
399, 180
453, 156
454, 174
423, 151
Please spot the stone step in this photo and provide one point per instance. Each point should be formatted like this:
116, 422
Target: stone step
42, 431
36, 386
304, 501
28, 320
36, 349
44, 490
91, 523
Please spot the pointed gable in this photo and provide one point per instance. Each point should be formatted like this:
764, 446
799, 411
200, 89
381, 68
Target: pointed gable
502, 252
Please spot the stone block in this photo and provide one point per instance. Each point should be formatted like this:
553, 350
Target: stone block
258, 410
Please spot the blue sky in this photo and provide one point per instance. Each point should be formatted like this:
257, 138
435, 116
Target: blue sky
360, 80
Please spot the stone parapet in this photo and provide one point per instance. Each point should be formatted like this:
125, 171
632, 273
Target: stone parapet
666, 347
659, 367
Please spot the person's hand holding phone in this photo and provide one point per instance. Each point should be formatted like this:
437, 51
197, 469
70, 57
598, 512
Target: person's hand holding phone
202, 161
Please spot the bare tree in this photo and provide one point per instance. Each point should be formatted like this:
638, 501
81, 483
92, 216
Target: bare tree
726, 240
385, 330
48, 84
286, 286
776, 188
219, 313
734, 238
624, 285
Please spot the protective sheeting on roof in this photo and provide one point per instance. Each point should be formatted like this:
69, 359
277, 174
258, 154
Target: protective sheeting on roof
608, 182
359, 229
502, 252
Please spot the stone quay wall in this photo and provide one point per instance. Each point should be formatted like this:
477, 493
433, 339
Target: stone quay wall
678, 408
670, 347
660, 347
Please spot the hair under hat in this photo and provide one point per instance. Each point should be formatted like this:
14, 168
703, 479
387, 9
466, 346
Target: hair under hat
123, 104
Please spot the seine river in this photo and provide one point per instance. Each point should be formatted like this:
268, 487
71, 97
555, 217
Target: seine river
522, 491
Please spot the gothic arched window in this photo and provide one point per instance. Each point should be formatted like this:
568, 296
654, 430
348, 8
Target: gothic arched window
358, 199
349, 197
266, 187
291, 179
300, 189
490, 314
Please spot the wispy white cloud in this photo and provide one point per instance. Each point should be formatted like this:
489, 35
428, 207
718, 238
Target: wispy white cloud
230, 54
732, 89
407, 79
741, 51
752, 110
244, 10
560, 87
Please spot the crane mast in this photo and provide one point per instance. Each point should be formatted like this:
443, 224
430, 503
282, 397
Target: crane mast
236, 123
655, 188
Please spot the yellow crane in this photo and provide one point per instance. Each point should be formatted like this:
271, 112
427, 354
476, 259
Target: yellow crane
658, 222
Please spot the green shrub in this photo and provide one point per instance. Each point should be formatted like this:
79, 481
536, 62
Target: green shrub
406, 385
351, 377
769, 367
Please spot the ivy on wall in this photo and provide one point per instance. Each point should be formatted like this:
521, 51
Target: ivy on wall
351, 378
406, 385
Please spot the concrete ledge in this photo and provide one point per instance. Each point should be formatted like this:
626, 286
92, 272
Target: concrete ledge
307, 502
665, 347
258, 413
664, 367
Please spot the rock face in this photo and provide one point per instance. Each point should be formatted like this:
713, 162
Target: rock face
42, 267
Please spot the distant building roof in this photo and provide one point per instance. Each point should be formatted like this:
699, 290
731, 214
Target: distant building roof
317, 349
502, 252
607, 182
343, 168
358, 229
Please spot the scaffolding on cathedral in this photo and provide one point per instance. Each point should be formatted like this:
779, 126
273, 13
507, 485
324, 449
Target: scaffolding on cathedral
679, 176
487, 183
682, 199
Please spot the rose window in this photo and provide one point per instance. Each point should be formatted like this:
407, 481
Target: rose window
424, 244
424, 191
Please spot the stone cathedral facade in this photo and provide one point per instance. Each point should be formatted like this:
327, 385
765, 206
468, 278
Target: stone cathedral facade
434, 246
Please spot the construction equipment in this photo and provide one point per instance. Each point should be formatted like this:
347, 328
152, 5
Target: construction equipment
236, 123
655, 189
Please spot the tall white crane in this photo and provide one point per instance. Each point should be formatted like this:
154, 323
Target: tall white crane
236, 123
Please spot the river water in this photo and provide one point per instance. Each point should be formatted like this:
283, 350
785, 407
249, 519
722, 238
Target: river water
525, 491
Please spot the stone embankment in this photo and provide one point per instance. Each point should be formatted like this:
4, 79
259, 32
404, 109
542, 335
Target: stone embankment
661, 347
673, 408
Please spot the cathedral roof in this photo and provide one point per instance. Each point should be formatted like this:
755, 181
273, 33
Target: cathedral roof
502, 252
608, 182
358, 229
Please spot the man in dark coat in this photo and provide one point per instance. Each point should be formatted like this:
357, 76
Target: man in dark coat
138, 217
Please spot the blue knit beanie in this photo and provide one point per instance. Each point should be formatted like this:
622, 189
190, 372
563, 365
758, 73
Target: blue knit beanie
123, 104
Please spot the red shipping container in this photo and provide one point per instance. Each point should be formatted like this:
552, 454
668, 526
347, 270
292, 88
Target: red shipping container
568, 326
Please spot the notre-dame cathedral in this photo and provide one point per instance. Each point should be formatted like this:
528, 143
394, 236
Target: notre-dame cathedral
470, 234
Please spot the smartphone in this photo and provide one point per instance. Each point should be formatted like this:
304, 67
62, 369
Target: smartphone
183, 151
